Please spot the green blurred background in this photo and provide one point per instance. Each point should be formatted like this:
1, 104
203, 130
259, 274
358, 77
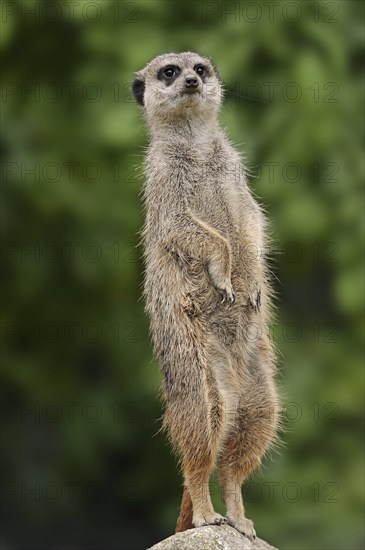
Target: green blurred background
83, 465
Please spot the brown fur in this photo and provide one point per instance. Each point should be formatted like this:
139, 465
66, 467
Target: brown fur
207, 290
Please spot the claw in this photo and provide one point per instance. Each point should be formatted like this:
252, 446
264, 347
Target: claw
255, 302
220, 521
245, 527
228, 296
210, 519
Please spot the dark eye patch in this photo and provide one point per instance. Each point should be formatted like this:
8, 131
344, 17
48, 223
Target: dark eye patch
168, 74
202, 71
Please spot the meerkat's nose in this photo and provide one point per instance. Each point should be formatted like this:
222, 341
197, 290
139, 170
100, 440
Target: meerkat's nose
191, 82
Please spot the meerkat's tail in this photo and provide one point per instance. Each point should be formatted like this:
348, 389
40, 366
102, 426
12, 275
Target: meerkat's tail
185, 518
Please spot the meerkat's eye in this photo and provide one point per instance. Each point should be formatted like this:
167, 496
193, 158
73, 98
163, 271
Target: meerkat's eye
200, 70
169, 72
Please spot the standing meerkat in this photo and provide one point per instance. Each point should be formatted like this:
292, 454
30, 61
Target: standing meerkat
206, 288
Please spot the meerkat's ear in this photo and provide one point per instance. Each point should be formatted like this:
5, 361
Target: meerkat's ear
138, 88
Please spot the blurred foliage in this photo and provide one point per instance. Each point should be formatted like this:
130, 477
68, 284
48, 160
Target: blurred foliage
87, 468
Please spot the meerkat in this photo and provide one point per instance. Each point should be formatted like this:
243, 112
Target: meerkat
206, 288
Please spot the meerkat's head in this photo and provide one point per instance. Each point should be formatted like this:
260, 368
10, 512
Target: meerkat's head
175, 86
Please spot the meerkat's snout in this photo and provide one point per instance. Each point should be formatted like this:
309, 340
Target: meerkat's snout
191, 84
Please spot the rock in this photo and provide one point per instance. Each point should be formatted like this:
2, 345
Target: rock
211, 537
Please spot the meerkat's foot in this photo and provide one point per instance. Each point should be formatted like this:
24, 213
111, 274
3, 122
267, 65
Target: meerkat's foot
209, 519
244, 526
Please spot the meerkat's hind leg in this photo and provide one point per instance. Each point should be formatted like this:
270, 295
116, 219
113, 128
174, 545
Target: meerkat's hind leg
231, 479
195, 421
244, 448
203, 511
185, 519
197, 482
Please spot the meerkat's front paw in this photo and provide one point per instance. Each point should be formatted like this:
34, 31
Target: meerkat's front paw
254, 299
209, 519
221, 279
228, 294
244, 526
